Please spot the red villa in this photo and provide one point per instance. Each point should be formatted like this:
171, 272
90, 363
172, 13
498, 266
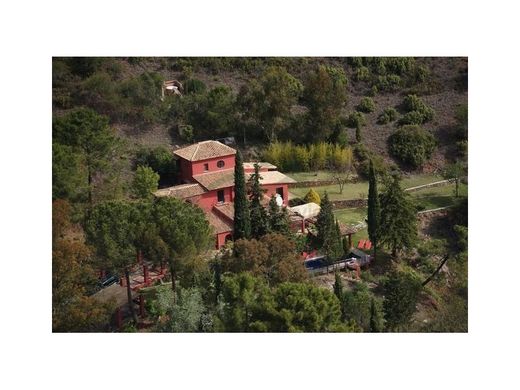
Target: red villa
206, 170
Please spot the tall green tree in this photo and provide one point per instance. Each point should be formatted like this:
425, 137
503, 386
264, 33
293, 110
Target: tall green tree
338, 286
145, 183
68, 173
325, 94
242, 221
401, 291
267, 102
109, 229
89, 134
398, 226
184, 230
328, 231
377, 322
278, 218
374, 208
259, 222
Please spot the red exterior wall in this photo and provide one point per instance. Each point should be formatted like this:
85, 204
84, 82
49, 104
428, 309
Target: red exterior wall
190, 168
221, 239
207, 200
185, 171
198, 166
271, 190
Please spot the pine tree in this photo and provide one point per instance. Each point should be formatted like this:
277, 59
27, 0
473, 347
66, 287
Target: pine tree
398, 224
259, 222
278, 218
242, 220
338, 286
374, 208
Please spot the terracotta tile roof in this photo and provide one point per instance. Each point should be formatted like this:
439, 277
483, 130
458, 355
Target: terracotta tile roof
275, 177
215, 180
219, 223
227, 209
204, 150
182, 191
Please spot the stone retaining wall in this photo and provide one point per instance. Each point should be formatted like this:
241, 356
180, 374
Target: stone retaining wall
349, 203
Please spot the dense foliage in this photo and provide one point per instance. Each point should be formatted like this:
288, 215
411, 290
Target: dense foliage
412, 145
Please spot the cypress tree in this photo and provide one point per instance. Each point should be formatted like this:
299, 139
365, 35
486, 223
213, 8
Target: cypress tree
328, 231
376, 317
259, 222
338, 286
242, 227
398, 223
374, 208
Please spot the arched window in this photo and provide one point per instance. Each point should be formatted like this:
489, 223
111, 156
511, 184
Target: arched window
220, 163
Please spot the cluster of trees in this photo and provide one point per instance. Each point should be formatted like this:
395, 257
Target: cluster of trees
251, 219
290, 157
165, 230
73, 278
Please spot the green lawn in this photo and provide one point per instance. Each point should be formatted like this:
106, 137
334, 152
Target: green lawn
430, 198
357, 190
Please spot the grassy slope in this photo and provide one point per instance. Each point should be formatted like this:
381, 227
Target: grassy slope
429, 199
443, 100
358, 190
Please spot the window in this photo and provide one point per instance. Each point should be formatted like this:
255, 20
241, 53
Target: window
279, 191
220, 196
206, 167
220, 163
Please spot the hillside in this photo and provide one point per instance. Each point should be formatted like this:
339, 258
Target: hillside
128, 91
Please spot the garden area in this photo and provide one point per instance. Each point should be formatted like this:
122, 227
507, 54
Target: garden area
353, 190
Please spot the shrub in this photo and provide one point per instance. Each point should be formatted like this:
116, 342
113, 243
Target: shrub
412, 145
356, 120
412, 103
366, 105
362, 73
388, 83
388, 115
194, 86
186, 132
312, 196
412, 118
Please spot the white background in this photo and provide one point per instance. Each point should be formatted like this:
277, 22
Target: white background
33, 32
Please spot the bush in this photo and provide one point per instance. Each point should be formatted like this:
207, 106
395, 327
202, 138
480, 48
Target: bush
356, 120
362, 73
417, 110
366, 105
388, 83
364, 156
388, 115
312, 196
412, 118
194, 86
412, 145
